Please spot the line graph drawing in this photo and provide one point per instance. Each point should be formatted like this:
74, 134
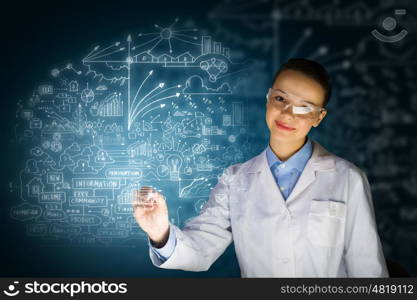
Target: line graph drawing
139, 104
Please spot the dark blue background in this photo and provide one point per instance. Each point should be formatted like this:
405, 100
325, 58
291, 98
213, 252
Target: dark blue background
37, 36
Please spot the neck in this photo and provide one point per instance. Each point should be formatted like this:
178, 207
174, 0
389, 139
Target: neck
284, 150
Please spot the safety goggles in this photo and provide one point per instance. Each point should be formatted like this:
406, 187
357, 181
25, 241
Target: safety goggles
300, 108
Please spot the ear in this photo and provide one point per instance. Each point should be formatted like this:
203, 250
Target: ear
321, 117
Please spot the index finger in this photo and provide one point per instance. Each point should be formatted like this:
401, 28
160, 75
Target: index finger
147, 195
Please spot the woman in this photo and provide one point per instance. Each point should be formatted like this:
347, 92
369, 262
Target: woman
295, 210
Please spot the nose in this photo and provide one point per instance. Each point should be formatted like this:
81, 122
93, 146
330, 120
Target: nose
287, 110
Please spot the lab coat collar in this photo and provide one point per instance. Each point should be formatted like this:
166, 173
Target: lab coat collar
320, 160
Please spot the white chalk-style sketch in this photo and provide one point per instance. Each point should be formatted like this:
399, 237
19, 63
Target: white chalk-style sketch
153, 109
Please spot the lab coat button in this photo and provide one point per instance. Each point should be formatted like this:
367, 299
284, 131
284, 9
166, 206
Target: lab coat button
282, 188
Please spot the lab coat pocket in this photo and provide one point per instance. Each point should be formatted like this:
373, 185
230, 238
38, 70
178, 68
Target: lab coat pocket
326, 222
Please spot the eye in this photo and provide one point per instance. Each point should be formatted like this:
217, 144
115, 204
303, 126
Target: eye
279, 99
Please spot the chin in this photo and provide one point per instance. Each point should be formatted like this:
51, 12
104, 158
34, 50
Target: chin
283, 136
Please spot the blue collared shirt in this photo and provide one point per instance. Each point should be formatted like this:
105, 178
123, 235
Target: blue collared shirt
286, 175
166, 251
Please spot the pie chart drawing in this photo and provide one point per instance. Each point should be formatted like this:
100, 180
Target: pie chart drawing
162, 170
87, 95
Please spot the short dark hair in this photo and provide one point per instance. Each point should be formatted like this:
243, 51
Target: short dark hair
312, 69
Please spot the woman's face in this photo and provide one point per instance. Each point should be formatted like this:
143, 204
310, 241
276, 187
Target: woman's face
284, 126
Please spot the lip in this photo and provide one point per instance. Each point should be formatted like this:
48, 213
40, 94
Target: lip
283, 126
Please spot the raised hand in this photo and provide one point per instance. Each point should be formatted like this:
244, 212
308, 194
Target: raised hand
151, 213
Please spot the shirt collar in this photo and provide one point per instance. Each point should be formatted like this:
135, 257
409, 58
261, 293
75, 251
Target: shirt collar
298, 160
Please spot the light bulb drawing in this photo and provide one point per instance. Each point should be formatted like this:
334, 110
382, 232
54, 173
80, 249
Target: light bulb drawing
174, 162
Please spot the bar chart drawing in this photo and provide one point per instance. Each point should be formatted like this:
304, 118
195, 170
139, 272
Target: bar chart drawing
112, 106
238, 113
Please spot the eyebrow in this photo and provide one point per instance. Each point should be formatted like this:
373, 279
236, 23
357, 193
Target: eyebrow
301, 99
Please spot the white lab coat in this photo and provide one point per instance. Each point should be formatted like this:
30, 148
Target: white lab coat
325, 228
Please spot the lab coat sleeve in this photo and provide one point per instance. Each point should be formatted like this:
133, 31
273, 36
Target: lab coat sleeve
204, 238
363, 250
